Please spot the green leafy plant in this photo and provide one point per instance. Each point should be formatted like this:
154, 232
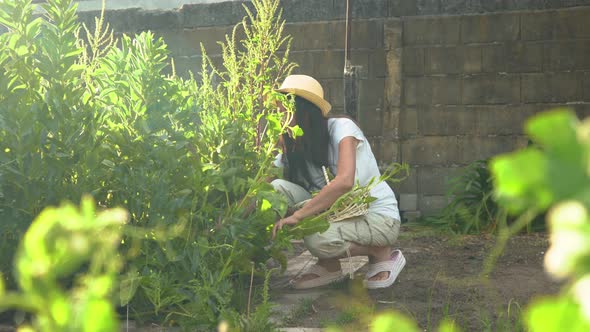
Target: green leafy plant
472, 208
554, 174
46, 130
66, 245
188, 160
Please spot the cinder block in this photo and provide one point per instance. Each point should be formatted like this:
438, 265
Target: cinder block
295, 30
452, 60
435, 180
410, 216
408, 122
567, 55
431, 31
446, 121
306, 63
408, 202
433, 90
390, 151
491, 89
431, 204
479, 148
360, 58
391, 123
503, 120
328, 64
407, 184
431, 150
552, 87
462, 6
513, 57
308, 10
398, 8
366, 34
489, 28
393, 88
392, 33
124, 20
334, 88
375, 143
572, 23
472, 59
538, 25
361, 8
160, 19
184, 64
188, 41
371, 93
378, 64
370, 120
413, 60
322, 35
212, 14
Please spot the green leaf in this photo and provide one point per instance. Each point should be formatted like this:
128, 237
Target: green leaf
128, 287
556, 314
520, 180
99, 316
556, 132
393, 321
297, 131
265, 205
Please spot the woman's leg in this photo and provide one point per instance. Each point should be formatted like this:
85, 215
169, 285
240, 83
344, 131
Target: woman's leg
375, 254
371, 235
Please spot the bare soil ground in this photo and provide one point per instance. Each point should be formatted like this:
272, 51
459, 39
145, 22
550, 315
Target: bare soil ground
441, 279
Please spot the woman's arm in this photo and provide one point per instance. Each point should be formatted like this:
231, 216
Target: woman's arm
342, 183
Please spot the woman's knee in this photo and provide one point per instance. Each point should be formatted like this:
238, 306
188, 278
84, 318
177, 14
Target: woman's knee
324, 246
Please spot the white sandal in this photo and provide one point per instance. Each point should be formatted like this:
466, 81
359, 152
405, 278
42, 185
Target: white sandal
394, 266
324, 277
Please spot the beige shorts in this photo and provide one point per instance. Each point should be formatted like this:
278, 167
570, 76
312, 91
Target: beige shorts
372, 229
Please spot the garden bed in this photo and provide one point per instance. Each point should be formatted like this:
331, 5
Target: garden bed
440, 280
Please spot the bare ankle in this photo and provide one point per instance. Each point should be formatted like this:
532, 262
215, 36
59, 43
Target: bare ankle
379, 254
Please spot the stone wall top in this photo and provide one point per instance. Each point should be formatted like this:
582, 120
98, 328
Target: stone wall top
222, 13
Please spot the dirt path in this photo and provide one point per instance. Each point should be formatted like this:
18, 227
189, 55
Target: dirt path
440, 280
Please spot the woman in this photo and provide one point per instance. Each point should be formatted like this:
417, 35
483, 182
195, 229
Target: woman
340, 146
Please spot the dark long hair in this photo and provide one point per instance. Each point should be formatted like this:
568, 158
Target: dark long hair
310, 148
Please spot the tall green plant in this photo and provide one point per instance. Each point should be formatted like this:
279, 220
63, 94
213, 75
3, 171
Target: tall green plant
46, 128
188, 161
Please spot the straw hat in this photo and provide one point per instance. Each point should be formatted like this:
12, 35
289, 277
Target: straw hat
308, 88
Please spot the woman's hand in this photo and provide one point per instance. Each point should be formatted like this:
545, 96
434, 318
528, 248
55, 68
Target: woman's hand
290, 220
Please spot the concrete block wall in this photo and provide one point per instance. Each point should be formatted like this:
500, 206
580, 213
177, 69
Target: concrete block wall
470, 82
443, 82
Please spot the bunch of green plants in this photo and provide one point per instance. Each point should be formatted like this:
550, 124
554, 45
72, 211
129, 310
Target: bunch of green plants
83, 113
357, 200
471, 208
67, 268
46, 129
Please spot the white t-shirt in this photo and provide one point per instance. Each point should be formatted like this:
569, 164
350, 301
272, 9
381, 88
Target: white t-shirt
366, 166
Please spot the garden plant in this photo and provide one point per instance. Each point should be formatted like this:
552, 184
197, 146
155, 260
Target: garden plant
83, 113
